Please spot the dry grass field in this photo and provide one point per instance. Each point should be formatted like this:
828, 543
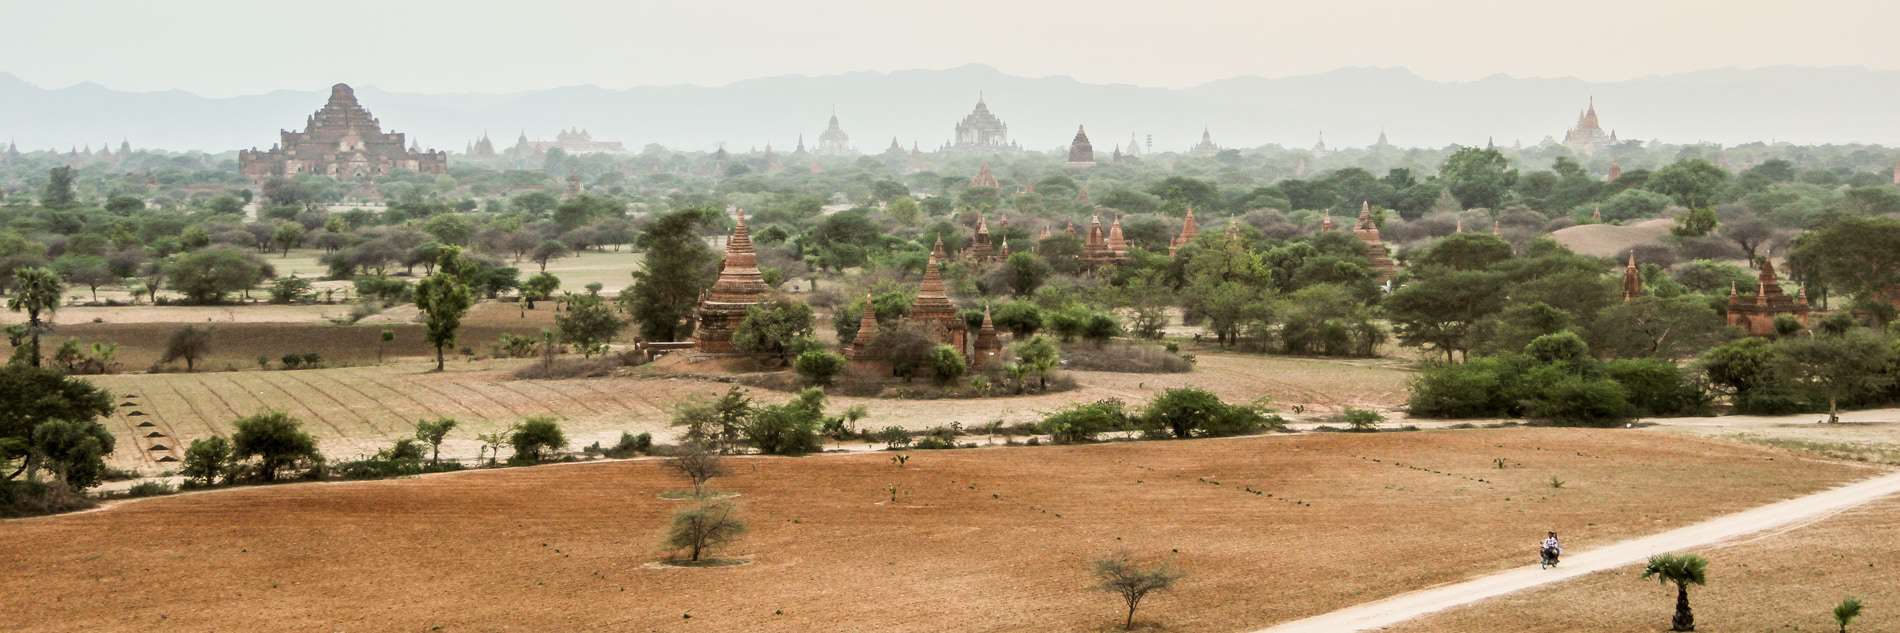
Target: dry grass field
1786, 581
240, 334
1268, 529
356, 410
1610, 240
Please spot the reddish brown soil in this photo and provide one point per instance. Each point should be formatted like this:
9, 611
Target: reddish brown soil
979, 540
1788, 581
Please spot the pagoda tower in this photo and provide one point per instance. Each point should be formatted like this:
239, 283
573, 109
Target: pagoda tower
984, 179
1117, 245
1095, 250
987, 350
1757, 317
1188, 232
980, 248
739, 287
860, 347
932, 309
1368, 233
1632, 279
1081, 153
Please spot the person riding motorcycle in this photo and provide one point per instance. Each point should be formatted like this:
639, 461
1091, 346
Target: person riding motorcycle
1551, 548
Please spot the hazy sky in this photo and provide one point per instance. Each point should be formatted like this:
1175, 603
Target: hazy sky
225, 47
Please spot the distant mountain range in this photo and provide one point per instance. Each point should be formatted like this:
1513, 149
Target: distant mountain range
1351, 106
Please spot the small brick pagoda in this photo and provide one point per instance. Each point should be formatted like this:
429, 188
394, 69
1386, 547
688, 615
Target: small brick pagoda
739, 287
1368, 232
1757, 317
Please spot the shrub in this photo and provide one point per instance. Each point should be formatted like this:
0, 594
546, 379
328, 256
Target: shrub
276, 440
1580, 401
790, 428
149, 489
630, 445
1657, 387
1083, 422
1099, 327
292, 289
946, 364
1361, 420
1130, 358
385, 290
1181, 411
704, 527
208, 461
536, 438
190, 344
894, 437
510, 345
819, 367
21, 498
1470, 390
1132, 582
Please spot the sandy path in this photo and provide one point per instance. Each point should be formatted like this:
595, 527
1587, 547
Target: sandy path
1375, 615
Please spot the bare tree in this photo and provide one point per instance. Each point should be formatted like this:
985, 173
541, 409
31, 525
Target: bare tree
1121, 576
699, 463
1748, 231
704, 527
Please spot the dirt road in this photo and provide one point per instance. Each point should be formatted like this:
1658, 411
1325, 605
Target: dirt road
1375, 615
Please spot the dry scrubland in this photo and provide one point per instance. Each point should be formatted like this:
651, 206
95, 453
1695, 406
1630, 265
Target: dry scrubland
1611, 240
356, 410
979, 540
1785, 581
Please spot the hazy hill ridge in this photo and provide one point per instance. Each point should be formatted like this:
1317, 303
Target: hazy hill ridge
1352, 105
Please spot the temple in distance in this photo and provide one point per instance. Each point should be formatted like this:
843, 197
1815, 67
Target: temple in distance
341, 140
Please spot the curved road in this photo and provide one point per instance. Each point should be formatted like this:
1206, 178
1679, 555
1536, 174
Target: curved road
1375, 615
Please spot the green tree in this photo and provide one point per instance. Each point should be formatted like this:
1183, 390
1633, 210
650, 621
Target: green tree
36, 291
588, 323
1846, 612
30, 396
1479, 178
208, 460
790, 428
287, 235
1682, 570
1040, 356
1835, 367
1654, 327
277, 440
677, 267
539, 288
432, 432
1692, 183
1026, 272
946, 364
1438, 311
818, 367
536, 438
775, 328
73, 449
704, 527
207, 275
1856, 255
1132, 582
59, 192
443, 299
91, 271
1697, 222
1465, 251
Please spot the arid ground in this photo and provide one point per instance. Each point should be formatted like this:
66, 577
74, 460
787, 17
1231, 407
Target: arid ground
1785, 581
1268, 528
356, 410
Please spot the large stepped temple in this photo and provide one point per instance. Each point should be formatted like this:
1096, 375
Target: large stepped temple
342, 140
982, 130
739, 287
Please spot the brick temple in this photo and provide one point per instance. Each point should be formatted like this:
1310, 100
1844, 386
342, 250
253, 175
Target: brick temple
342, 140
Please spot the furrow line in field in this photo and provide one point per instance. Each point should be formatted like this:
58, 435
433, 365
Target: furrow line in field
306, 407
557, 392
637, 405
400, 394
192, 405
477, 413
546, 407
206, 383
293, 377
512, 411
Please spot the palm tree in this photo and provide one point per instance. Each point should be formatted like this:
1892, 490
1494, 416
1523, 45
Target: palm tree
1684, 570
1846, 611
35, 290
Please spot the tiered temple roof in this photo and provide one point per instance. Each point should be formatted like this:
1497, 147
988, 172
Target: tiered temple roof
1188, 232
867, 332
1367, 231
933, 310
1081, 153
341, 140
833, 141
1206, 146
982, 130
739, 287
984, 179
1588, 136
987, 349
1757, 317
1117, 245
980, 246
